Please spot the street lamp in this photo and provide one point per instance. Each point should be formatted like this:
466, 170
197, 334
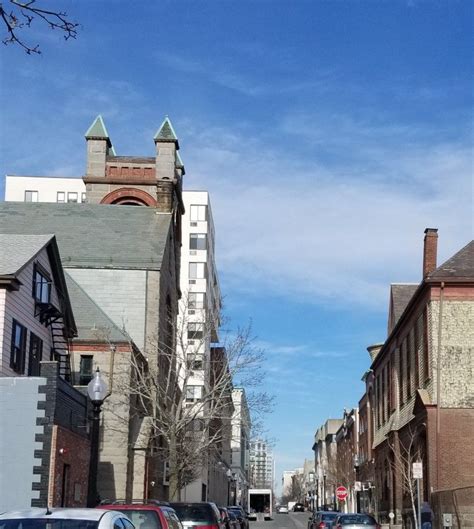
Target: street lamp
324, 490
97, 391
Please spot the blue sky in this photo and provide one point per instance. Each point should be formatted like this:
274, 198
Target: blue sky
329, 134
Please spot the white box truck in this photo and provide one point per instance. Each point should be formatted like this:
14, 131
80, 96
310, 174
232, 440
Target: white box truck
260, 504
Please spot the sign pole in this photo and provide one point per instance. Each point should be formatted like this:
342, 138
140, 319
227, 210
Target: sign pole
419, 502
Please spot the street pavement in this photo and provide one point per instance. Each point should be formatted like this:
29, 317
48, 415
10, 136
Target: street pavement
293, 520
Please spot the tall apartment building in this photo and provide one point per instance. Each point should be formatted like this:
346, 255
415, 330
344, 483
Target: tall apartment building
198, 323
262, 465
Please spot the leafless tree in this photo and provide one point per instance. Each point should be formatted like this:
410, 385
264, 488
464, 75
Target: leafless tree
18, 15
403, 456
185, 393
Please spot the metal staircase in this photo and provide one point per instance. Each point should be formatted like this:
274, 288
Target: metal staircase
52, 317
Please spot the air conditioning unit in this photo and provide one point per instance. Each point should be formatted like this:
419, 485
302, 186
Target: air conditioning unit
191, 342
194, 223
191, 311
192, 252
192, 281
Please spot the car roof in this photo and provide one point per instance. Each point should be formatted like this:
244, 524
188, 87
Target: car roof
134, 506
57, 514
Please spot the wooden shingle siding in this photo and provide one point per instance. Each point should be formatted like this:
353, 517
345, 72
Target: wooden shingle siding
20, 306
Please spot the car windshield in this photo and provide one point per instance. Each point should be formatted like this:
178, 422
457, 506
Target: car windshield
142, 518
358, 519
193, 512
329, 516
47, 523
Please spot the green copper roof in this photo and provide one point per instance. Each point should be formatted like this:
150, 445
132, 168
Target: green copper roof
97, 129
179, 162
166, 132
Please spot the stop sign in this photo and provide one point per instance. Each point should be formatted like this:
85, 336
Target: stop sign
341, 493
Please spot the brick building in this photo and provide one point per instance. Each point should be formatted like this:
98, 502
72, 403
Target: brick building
347, 448
423, 403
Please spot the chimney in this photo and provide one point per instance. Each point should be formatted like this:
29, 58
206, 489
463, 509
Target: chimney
430, 251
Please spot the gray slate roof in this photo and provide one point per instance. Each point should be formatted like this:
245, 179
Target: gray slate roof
94, 235
400, 295
16, 250
459, 266
92, 322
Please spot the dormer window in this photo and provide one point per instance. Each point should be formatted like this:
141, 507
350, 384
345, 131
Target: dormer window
41, 285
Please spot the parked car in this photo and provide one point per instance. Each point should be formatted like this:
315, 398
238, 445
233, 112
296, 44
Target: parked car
324, 519
37, 518
242, 516
197, 515
282, 509
229, 518
149, 515
355, 521
298, 507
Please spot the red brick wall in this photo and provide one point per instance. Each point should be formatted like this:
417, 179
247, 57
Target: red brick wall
456, 452
70, 449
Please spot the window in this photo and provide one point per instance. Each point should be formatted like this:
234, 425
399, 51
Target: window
35, 355
416, 344
83, 197
41, 285
85, 370
195, 331
426, 355
195, 361
198, 241
196, 300
384, 388
61, 197
72, 197
198, 213
408, 366
18, 348
193, 393
401, 381
31, 196
197, 270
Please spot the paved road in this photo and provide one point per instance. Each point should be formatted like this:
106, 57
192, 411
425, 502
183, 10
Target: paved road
293, 520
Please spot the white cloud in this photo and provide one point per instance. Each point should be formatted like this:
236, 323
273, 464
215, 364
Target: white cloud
334, 231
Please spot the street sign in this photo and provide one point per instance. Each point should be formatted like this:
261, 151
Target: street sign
417, 470
341, 493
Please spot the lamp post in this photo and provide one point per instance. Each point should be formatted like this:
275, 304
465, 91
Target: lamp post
324, 490
97, 391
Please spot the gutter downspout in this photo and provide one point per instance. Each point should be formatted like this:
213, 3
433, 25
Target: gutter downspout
438, 383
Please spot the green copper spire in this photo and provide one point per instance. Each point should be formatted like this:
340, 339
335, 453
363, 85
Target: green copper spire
166, 132
97, 130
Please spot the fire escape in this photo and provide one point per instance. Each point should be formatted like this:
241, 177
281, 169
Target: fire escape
51, 317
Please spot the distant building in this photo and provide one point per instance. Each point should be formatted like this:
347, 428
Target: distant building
44, 189
325, 463
347, 441
262, 465
286, 482
240, 461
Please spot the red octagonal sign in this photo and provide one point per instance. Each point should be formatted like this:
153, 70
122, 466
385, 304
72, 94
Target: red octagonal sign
341, 493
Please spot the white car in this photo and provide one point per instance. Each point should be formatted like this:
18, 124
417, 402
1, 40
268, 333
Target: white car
283, 509
38, 518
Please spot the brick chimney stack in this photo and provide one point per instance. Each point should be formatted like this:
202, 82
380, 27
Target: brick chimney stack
430, 251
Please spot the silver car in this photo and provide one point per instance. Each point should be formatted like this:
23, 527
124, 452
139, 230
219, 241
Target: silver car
355, 521
38, 518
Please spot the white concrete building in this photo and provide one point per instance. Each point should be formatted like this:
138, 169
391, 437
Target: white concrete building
199, 316
240, 458
262, 465
44, 189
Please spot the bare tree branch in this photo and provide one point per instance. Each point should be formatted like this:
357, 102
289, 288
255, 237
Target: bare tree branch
21, 15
